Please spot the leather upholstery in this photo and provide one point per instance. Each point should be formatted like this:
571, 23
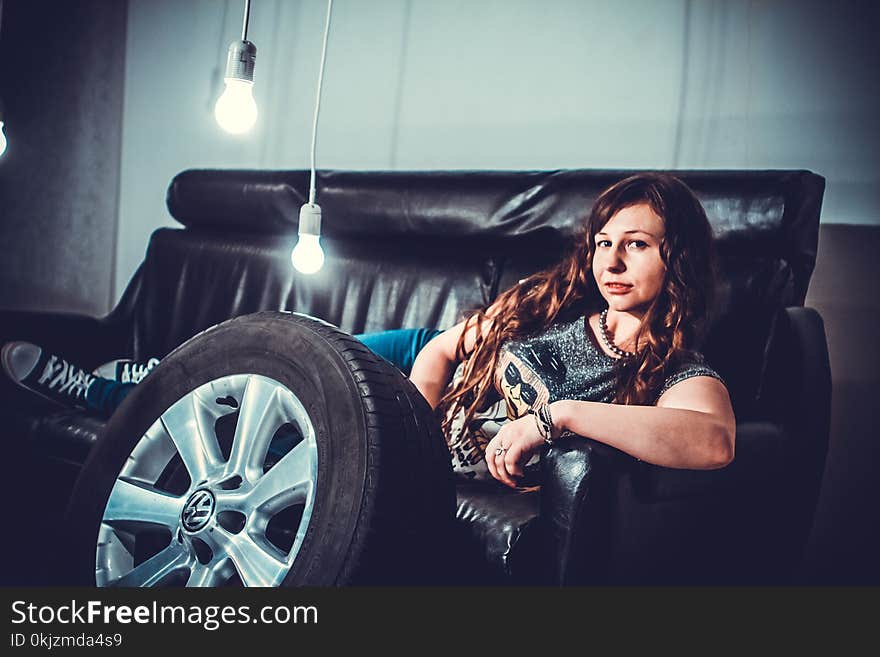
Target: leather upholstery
408, 249
503, 524
576, 503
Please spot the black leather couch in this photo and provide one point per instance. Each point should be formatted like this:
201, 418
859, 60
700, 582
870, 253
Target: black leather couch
410, 249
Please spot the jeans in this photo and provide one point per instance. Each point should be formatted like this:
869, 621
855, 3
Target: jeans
398, 346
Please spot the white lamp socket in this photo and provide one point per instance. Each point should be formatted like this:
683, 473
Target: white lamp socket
310, 219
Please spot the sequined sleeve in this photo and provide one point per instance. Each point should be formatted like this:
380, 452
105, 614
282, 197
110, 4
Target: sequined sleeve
695, 365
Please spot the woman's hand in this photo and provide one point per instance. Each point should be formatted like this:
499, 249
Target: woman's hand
511, 448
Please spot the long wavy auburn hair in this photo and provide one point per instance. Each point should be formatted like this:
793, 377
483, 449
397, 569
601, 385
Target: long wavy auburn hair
672, 325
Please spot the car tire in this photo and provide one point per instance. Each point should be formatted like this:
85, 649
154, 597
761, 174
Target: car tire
180, 490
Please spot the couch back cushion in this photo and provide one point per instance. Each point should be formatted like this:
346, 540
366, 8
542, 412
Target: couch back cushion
195, 278
409, 249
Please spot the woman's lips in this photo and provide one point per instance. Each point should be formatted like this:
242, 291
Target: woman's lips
617, 288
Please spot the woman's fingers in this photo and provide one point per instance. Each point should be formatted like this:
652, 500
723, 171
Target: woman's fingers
504, 461
513, 460
497, 460
501, 466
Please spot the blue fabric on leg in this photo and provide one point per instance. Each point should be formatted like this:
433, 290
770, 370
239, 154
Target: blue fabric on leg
399, 346
105, 395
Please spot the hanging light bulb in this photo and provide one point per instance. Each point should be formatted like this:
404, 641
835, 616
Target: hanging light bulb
236, 110
308, 256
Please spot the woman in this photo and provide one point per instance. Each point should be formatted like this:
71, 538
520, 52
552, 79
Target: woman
641, 279
530, 367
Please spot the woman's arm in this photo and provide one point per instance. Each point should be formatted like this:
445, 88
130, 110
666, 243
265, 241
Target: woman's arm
432, 370
434, 365
692, 426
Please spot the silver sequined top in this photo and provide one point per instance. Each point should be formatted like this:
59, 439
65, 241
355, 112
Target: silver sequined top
563, 362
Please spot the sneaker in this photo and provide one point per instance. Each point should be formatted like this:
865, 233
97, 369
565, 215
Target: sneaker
125, 370
45, 374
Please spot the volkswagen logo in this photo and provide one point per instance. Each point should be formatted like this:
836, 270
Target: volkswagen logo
198, 510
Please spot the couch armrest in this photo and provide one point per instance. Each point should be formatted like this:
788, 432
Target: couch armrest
796, 386
582, 478
796, 392
576, 499
760, 449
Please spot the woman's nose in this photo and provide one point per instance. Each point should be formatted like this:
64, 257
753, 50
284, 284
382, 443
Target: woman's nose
615, 261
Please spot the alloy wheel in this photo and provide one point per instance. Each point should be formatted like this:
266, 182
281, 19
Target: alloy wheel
218, 491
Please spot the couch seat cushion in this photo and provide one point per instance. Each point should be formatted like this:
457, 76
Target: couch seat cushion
502, 526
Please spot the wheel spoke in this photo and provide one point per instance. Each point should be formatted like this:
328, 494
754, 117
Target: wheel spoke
258, 420
156, 568
287, 482
210, 574
189, 424
132, 501
257, 563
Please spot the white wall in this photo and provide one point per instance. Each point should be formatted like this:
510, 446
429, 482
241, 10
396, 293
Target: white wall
507, 84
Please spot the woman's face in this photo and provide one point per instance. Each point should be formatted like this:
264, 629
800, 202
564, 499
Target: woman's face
627, 265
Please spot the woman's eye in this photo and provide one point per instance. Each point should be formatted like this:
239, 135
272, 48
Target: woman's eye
603, 243
639, 244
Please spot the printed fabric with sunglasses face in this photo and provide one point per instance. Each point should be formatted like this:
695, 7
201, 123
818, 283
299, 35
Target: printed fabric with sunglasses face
517, 377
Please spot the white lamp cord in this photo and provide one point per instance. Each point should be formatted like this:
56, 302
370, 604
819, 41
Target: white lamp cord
1, 97
318, 101
247, 16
